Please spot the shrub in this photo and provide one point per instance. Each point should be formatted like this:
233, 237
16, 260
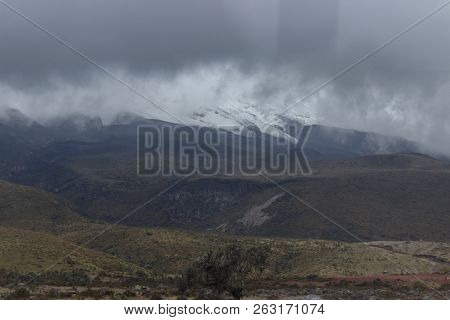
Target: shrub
21, 293
225, 270
53, 294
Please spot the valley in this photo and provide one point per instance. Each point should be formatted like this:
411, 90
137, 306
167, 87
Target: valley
382, 232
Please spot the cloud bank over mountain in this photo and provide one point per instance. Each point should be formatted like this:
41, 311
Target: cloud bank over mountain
191, 54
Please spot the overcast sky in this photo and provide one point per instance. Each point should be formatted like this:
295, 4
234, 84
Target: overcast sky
190, 54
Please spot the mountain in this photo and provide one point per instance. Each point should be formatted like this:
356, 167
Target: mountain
74, 125
24, 252
169, 251
241, 114
377, 197
337, 143
19, 135
12, 146
35, 209
126, 118
98, 260
324, 141
22, 135
376, 205
15, 119
38, 229
394, 161
376, 185
18, 124
403, 201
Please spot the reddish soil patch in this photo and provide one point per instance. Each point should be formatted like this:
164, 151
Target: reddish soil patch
436, 278
440, 279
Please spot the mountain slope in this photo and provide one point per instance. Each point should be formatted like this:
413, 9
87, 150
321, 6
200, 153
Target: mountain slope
26, 251
241, 114
391, 205
382, 197
397, 161
35, 209
170, 251
376, 203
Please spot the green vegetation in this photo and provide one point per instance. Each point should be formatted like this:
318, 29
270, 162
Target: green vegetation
34, 209
27, 251
389, 197
168, 252
225, 270
39, 229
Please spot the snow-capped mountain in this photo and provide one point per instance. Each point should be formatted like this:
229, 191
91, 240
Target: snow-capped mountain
241, 113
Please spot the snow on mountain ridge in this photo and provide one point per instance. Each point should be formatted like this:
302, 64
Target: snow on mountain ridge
243, 114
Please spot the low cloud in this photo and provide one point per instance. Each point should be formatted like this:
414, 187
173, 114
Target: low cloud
192, 54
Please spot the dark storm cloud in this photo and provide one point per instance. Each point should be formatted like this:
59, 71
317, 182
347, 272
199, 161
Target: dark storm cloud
165, 34
140, 35
278, 50
316, 37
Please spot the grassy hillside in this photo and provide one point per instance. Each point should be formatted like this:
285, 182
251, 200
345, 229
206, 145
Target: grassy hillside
382, 205
35, 209
381, 197
27, 251
434, 251
381, 162
169, 252
374, 204
125, 251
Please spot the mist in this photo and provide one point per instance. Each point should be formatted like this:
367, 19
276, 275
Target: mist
189, 55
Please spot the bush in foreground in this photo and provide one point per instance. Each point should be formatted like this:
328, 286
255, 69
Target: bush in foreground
225, 270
